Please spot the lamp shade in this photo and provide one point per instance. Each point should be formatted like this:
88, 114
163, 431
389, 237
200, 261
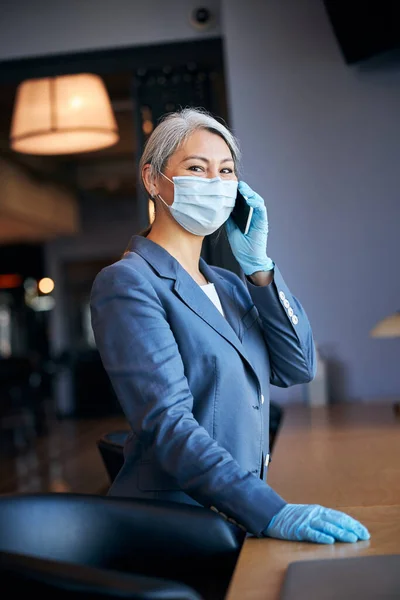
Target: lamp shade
388, 327
62, 115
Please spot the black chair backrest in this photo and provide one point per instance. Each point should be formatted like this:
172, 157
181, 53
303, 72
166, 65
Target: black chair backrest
26, 575
111, 448
276, 414
176, 541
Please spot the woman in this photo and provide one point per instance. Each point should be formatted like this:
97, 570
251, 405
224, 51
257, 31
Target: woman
191, 350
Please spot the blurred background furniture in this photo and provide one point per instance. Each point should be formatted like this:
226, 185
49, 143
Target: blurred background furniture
49, 579
388, 327
23, 395
111, 448
183, 543
276, 414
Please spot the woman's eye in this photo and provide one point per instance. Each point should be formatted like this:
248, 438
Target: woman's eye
196, 169
226, 171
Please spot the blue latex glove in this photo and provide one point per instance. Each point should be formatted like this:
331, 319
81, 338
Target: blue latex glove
314, 523
251, 250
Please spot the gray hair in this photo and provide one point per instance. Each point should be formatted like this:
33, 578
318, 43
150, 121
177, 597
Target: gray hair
174, 129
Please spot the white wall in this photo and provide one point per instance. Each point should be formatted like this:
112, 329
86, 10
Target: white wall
321, 143
39, 27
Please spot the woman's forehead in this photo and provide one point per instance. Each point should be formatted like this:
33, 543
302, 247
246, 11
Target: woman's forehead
204, 143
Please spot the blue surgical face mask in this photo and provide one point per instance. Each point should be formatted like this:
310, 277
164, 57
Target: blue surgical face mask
202, 205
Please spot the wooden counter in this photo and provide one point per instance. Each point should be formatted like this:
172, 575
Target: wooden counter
345, 457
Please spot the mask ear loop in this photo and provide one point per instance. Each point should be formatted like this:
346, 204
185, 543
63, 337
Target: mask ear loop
158, 195
163, 201
161, 173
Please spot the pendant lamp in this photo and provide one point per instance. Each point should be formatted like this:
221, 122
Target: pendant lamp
62, 115
389, 327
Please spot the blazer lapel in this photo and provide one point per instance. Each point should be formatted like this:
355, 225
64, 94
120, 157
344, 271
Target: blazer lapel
191, 294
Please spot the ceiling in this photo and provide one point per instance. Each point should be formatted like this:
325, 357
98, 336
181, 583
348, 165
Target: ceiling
109, 172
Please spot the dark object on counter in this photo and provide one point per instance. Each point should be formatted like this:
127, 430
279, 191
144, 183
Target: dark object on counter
366, 577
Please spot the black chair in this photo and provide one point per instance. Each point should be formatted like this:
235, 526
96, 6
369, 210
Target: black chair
27, 575
111, 448
179, 542
276, 414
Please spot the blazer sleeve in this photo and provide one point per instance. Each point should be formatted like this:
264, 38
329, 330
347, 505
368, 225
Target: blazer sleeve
287, 332
142, 359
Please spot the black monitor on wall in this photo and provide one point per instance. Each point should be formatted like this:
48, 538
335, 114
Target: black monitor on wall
364, 28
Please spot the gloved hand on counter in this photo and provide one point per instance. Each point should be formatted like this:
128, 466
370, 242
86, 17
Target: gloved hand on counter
315, 523
250, 250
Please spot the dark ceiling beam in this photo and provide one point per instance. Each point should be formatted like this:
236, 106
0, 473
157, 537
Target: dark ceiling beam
31, 207
208, 52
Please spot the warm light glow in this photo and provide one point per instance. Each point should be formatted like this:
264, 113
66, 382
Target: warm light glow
389, 327
76, 102
10, 281
152, 212
147, 127
63, 115
46, 285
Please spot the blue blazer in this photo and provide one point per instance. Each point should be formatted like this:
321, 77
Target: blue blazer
194, 385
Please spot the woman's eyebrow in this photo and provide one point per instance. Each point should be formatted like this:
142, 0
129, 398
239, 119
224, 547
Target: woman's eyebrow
203, 158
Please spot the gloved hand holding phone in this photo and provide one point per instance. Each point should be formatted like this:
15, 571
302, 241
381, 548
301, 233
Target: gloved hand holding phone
250, 250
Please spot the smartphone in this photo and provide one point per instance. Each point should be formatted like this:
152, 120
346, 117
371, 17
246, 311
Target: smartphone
242, 213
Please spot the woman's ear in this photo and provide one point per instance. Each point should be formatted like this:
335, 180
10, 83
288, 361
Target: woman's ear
149, 181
